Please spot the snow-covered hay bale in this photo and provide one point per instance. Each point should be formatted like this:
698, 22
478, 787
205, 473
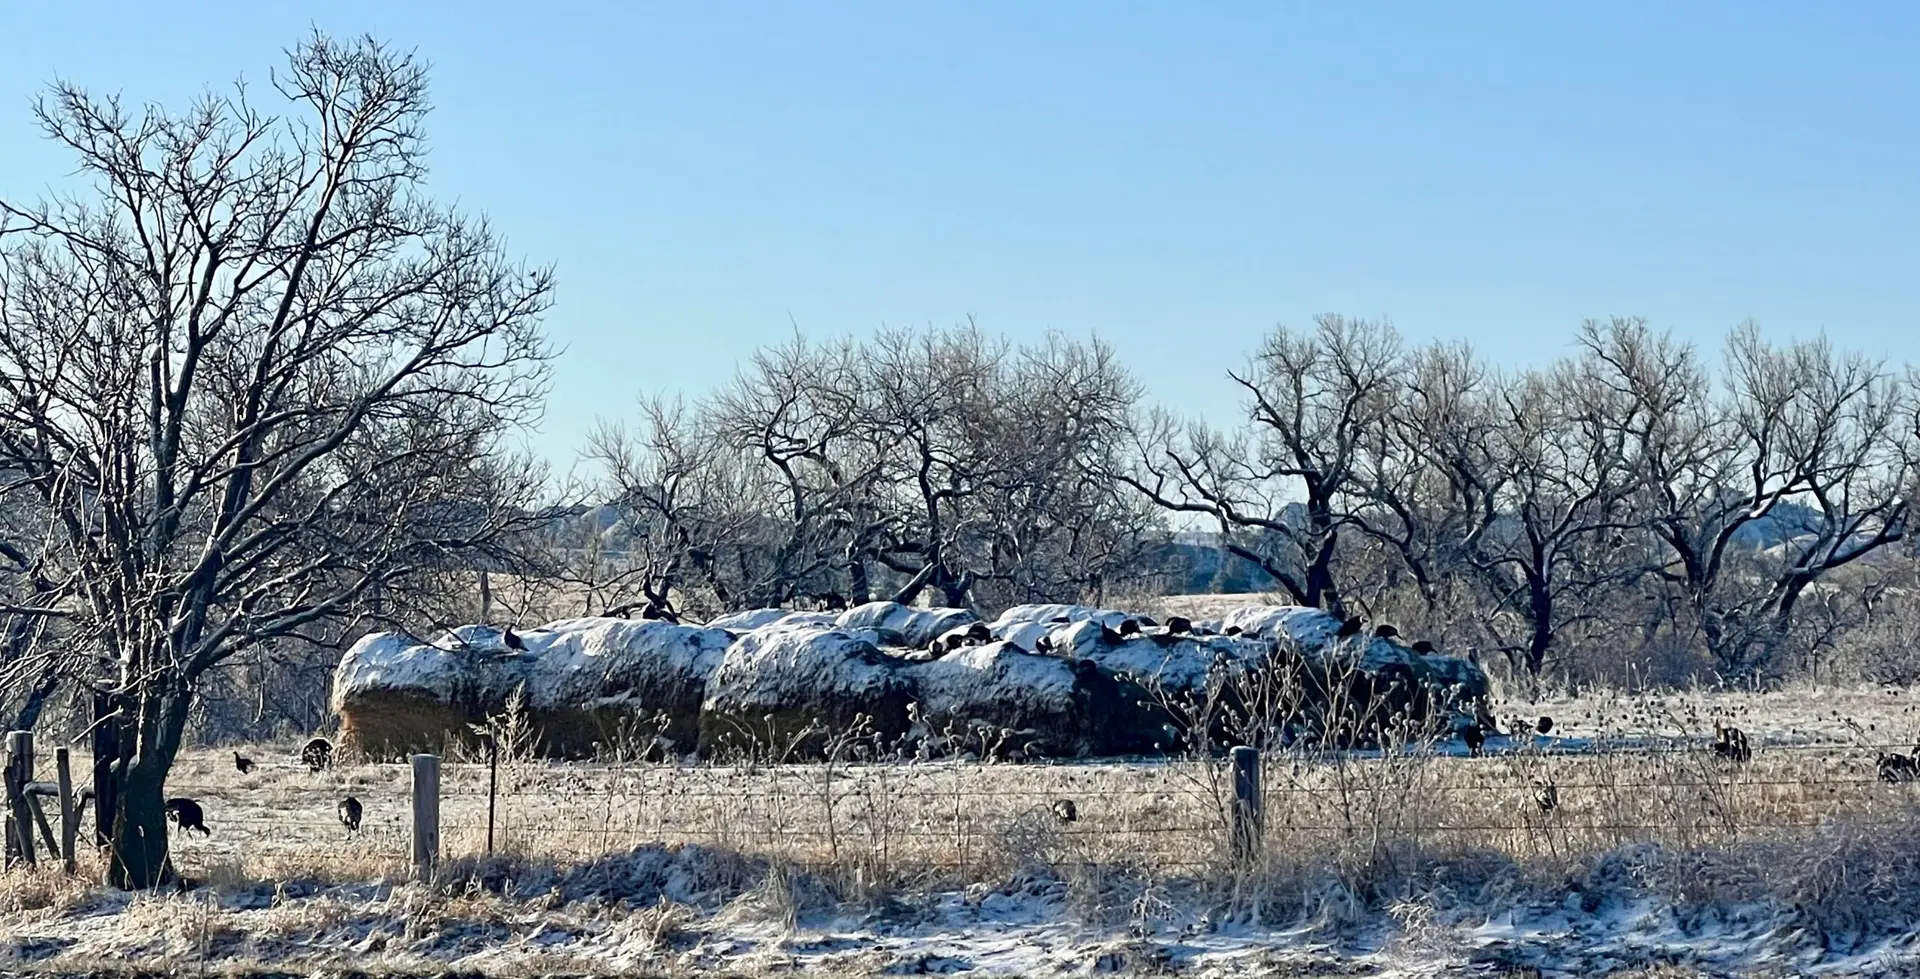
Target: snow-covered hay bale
918, 626
586, 682
999, 699
1024, 625
773, 618
751, 619
790, 691
1173, 666
1305, 627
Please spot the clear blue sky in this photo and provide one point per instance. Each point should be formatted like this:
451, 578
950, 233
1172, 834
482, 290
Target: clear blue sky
1177, 178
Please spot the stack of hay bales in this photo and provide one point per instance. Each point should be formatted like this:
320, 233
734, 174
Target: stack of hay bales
1040, 681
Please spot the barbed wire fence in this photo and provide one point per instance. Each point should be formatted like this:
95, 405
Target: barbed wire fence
969, 819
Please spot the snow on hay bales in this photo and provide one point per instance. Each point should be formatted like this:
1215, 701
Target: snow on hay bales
1000, 699
585, 681
1175, 666
789, 681
1023, 625
749, 620
1368, 677
918, 626
793, 688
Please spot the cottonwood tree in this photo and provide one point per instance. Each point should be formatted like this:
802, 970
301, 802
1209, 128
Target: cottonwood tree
1282, 493
256, 379
1429, 484
1803, 464
913, 462
989, 463
1559, 506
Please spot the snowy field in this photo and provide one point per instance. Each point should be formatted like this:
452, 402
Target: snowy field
1657, 858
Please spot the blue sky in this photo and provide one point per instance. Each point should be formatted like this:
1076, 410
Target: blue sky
1177, 179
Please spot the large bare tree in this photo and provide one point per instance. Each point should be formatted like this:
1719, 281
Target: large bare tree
1803, 464
1282, 493
257, 381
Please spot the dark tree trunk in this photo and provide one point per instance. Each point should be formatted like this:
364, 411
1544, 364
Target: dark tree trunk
140, 853
36, 702
1540, 611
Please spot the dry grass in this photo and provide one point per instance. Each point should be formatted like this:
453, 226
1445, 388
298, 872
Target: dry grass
647, 858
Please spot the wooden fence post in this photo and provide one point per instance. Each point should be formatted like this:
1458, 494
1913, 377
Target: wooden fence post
1246, 806
69, 815
493, 782
19, 815
426, 816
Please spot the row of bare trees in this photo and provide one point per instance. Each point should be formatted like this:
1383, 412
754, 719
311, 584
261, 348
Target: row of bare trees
937, 463
1627, 494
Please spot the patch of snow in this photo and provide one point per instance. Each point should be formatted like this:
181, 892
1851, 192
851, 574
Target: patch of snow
998, 671
919, 626
798, 665
748, 620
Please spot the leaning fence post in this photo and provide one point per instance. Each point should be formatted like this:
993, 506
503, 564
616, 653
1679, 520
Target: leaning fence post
426, 815
493, 783
69, 817
1246, 805
19, 814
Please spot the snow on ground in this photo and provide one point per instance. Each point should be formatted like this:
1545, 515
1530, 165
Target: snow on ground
1029, 927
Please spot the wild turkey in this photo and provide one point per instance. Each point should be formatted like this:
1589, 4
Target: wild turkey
318, 754
1546, 796
1129, 627
1475, 737
1731, 743
350, 812
1423, 646
1110, 637
243, 763
1900, 768
1349, 628
1384, 631
189, 815
1178, 625
512, 641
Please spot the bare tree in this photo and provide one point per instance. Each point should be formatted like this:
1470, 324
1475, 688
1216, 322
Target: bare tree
1429, 483
1803, 465
918, 461
1282, 495
257, 381
1559, 507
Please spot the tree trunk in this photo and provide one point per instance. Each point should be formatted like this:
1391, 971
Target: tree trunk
1540, 611
36, 702
141, 857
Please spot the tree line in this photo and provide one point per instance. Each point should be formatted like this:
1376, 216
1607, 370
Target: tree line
258, 394
1723, 521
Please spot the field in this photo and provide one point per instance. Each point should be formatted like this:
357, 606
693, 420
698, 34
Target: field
1421, 861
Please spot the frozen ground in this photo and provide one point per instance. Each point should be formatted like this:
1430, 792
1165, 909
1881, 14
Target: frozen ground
1657, 862
1041, 928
